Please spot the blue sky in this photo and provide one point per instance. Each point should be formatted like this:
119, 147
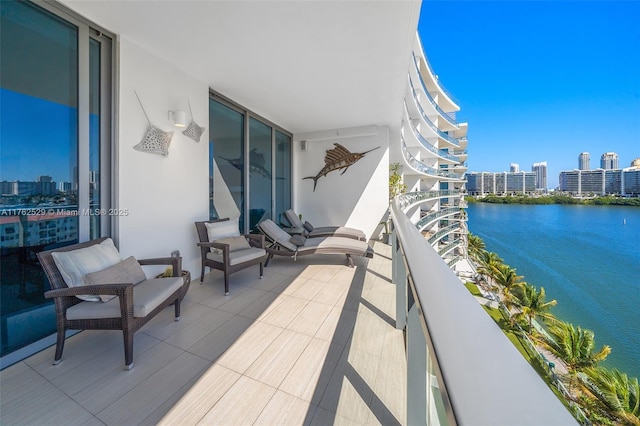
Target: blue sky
540, 80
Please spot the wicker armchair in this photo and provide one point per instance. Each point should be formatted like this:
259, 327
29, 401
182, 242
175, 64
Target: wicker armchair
227, 261
65, 298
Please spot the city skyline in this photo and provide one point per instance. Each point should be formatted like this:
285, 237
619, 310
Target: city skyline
537, 83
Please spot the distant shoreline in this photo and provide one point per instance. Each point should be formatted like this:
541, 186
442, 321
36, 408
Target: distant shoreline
555, 199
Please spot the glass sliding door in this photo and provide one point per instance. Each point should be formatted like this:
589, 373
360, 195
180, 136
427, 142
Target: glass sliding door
39, 155
226, 162
44, 160
249, 164
283, 174
260, 157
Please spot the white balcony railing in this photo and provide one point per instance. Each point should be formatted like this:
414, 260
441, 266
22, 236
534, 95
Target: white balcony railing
461, 368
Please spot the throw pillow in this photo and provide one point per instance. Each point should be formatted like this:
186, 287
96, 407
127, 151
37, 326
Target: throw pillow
298, 240
308, 226
75, 264
127, 271
235, 243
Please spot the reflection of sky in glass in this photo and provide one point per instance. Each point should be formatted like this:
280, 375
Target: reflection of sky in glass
37, 137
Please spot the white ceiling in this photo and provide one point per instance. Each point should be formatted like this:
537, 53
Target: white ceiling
305, 65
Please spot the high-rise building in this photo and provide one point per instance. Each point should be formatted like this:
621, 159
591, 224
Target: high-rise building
609, 161
514, 167
601, 182
501, 183
635, 163
583, 161
540, 170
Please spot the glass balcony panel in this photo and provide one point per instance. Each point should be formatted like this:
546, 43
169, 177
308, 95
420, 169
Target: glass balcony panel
259, 172
38, 162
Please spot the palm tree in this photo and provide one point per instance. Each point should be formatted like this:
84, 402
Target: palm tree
507, 279
476, 247
490, 261
575, 346
618, 394
532, 303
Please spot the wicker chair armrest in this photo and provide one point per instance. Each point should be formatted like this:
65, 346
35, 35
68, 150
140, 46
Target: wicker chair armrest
175, 262
205, 244
115, 289
256, 240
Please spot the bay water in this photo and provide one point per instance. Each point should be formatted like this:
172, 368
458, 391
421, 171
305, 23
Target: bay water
586, 257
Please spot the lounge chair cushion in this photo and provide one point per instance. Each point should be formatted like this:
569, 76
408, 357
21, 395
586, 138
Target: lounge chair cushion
127, 271
235, 243
293, 219
323, 231
277, 234
75, 264
337, 231
147, 296
335, 245
239, 256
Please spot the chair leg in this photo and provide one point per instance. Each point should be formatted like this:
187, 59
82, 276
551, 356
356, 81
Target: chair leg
202, 273
59, 346
261, 270
226, 283
268, 260
349, 261
128, 349
177, 309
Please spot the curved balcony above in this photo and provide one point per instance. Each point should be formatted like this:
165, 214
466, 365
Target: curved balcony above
442, 154
443, 137
433, 239
446, 249
453, 261
430, 218
433, 84
428, 171
459, 167
449, 117
410, 199
462, 155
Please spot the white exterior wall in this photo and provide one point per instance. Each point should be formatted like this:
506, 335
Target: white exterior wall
164, 195
359, 197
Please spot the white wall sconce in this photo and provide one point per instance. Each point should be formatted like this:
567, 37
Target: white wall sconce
304, 146
178, 118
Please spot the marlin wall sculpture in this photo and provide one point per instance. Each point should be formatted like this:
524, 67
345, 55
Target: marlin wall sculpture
338, 158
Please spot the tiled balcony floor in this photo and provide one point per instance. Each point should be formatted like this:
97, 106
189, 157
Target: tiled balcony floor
312, 343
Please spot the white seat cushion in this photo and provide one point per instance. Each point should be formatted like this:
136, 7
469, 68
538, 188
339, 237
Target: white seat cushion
146, 297
239, 256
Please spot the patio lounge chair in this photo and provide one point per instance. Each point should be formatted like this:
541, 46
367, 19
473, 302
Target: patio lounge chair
94, 289
308, 230
223, 248
283, 244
